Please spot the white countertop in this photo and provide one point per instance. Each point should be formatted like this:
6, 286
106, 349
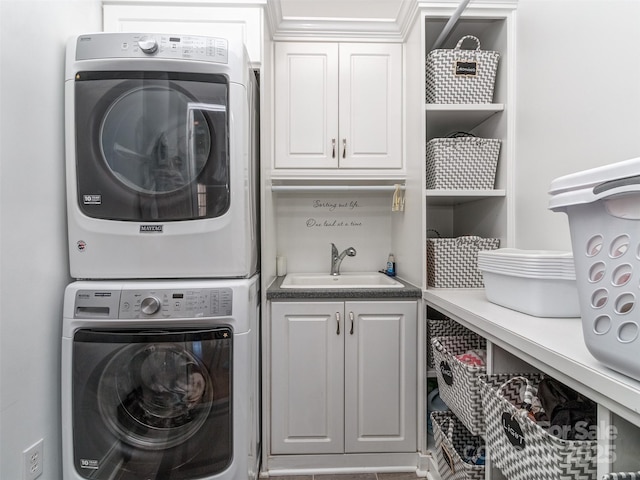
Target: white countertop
552, 345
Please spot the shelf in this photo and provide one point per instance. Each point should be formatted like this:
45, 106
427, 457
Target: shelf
542, 343
340, 177
336, 188
336, 184
445, 119
458, 197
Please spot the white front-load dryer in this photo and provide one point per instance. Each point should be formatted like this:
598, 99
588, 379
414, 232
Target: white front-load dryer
161, 157
160, 380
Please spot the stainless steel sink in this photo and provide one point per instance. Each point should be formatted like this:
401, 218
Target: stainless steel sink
344, 280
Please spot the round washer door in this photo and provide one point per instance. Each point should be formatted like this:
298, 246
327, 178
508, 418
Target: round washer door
163, 394
151, 403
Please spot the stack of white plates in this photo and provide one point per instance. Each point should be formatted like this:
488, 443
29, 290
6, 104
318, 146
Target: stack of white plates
537, 282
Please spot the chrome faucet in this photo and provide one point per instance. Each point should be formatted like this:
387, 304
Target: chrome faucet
336, 258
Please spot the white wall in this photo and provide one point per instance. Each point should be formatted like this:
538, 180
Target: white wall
33, 256
307, 224
578, 94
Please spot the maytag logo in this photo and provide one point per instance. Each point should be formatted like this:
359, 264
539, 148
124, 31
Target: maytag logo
151, 228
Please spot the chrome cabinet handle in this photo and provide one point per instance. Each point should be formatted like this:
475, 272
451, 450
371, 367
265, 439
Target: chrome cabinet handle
351, 318
344, 148
338, 323
333, 146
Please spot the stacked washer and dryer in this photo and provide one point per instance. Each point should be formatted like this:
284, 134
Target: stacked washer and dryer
160, 342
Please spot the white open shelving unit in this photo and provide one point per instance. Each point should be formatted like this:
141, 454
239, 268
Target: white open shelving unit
554, 346
516, 342
486, 213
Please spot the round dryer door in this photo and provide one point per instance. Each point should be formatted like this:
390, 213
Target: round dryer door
153, 142
152, 146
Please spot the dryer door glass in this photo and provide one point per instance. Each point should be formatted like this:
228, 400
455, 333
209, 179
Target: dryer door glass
147, 140
152, 146
152, 404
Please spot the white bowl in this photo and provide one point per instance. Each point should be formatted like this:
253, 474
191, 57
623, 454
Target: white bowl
540, 297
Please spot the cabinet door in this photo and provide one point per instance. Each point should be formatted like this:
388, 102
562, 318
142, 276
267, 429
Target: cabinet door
380, 376
306, 105
307, 377
370, 106
206, 19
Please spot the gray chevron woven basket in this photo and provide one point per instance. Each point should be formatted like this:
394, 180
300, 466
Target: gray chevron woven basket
462, 163
519, 447
461, 75
443, 327
453, 442
458, 381
453, 262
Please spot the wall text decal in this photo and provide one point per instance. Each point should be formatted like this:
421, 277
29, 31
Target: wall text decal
334, 206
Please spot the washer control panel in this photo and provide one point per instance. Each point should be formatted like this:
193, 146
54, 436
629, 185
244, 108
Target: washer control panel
143, 45
160, 303
179, 303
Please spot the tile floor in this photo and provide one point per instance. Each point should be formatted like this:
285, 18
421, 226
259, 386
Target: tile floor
351, 476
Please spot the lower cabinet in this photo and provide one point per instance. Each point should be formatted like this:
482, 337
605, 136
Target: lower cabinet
343, 377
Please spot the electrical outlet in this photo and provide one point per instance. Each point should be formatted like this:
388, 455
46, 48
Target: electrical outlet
33, 460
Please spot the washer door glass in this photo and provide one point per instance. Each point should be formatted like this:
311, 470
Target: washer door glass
154, 141
163, 395
152, 404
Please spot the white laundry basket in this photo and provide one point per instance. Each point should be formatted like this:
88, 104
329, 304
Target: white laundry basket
603, 207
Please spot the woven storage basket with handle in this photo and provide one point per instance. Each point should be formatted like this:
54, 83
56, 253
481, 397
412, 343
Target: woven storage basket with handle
443, 327
453, 442
463, 162
458, 381
461, 76
453, 262
521, 448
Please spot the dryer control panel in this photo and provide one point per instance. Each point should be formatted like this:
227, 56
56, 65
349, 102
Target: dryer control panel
157, 303
137, 45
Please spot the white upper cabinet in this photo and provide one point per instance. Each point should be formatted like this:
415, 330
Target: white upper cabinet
370, 106
208, 19
338, 106
306, 123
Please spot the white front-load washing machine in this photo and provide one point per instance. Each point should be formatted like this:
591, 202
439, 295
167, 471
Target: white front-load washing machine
161, 157
160, 380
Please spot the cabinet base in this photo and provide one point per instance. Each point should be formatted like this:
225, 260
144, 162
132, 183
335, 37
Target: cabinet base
346, 463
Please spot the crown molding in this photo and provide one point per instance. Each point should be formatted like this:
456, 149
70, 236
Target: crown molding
363, 29
189, 3
324, 28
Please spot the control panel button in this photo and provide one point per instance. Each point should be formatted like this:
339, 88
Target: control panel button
148, 45
150, 305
